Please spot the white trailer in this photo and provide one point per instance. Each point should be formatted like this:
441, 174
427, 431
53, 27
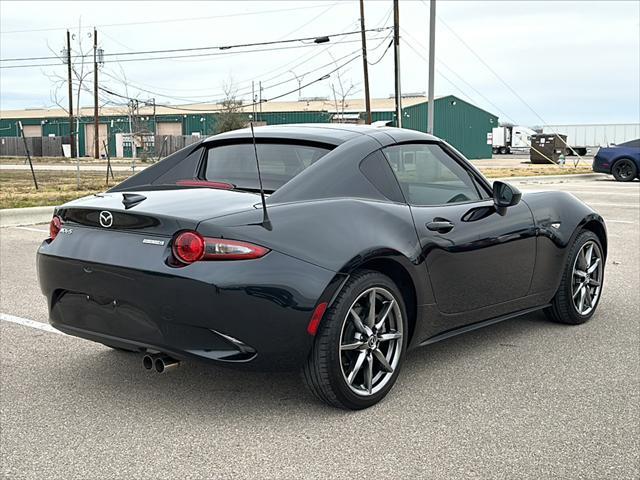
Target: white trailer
511, 139
595, 136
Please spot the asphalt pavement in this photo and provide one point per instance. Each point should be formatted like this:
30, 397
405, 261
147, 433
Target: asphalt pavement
522, 399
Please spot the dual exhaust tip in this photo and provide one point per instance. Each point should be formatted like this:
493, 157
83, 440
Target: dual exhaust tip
161, 363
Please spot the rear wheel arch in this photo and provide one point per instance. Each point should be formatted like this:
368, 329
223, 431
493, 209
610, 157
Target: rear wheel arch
403, 280
596, 227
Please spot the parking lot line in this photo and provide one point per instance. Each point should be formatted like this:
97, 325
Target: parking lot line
620, 205
31, 229
30, 323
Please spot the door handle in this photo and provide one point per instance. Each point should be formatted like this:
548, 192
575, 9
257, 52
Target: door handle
440, 226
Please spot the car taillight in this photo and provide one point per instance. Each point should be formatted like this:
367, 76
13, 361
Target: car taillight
55, 226
189, 247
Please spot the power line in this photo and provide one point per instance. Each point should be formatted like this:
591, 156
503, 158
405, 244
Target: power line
504, 82
170, 57
498, 109
244, 91
315, 39
295, 63
181, 108
174, 20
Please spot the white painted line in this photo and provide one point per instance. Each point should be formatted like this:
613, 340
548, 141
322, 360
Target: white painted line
621, 205
620, 221
29, 323
29, 229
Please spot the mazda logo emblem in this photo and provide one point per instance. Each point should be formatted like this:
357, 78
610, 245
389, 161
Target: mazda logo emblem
106, 219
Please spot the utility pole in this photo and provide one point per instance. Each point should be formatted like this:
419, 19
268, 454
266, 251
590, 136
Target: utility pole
96, 139
70, 82
253, 99
396, 61
432, 58
365, 65
260, 91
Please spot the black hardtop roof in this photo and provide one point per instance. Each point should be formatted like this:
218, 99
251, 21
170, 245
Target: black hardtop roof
330, 133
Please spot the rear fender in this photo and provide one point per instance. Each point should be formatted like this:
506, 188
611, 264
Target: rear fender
559, 217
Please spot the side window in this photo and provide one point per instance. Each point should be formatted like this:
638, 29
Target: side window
429, 176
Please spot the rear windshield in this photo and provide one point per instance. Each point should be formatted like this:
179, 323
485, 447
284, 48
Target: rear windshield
279, 163
631, 143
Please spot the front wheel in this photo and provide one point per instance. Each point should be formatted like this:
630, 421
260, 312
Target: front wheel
579, 293
624, 170
359, 348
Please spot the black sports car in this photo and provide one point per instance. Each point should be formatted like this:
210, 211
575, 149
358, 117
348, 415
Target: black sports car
374, 241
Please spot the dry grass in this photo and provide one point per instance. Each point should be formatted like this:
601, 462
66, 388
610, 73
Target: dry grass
532, 171
55, 188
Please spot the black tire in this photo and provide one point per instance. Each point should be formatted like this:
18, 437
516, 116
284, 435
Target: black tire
624, 170
503, 150
323, 370
562, 309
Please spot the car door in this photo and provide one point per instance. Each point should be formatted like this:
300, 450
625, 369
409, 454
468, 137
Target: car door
475, 256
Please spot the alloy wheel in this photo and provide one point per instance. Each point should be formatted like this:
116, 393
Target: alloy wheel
624, 169
371, 341
587, 278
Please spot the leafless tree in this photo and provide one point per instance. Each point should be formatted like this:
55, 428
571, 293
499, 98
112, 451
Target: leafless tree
230, 115
340, 94
80, 71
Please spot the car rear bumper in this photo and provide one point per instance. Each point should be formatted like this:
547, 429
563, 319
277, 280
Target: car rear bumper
246, 312
601, 165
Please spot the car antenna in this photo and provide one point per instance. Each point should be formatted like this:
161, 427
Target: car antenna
266, 223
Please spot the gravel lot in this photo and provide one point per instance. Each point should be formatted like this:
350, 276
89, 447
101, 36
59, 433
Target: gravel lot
521, 399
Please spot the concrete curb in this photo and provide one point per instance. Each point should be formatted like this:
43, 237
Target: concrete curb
537, 178
17, 217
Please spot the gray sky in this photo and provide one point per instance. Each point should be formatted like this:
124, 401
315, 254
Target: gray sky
571, 62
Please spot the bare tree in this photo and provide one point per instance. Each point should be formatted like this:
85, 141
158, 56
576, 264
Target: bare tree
79, 74
230, 115
340, 95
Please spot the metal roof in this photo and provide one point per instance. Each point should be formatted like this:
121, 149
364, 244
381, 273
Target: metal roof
352, 105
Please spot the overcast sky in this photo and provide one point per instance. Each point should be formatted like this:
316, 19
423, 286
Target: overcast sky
570, 62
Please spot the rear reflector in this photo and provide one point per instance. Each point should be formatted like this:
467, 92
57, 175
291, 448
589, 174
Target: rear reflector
314, 323
55, 226
190, 246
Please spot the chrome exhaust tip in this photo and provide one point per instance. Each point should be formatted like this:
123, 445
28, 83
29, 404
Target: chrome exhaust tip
147, 361
164, 363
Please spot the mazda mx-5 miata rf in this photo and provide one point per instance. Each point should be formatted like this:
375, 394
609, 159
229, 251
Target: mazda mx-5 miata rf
369, 242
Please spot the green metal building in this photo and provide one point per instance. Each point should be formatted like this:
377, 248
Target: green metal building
460, 123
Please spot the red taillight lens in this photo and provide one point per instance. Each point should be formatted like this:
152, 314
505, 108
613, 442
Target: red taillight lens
189, 247
55, 226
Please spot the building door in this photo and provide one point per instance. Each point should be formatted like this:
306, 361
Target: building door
88, 138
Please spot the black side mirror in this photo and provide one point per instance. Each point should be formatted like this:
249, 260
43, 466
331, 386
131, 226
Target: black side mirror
505, 195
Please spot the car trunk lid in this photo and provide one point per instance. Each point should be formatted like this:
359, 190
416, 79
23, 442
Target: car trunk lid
159, 212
